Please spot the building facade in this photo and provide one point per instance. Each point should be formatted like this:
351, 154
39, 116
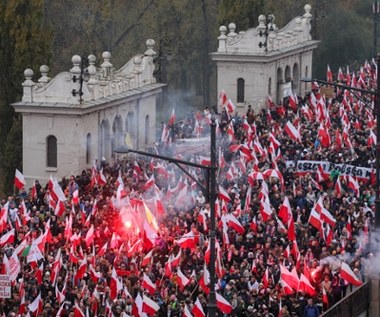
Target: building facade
264, 61
82, 115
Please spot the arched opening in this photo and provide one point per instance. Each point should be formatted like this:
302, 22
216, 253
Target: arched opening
130, 129
296, 78
88, 148
51, 151
105, 146
117, 130
146, 129
280, 81
288, 75
240, 90
306, 76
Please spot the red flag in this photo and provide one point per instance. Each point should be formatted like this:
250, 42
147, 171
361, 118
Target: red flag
223, 195
315, 220
9, 237
182, 280
147, 258
289, 277
115, 285
77, 311
329, 74
90, 236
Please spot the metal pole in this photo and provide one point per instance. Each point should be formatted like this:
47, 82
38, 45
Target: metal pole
377, 114
211, 307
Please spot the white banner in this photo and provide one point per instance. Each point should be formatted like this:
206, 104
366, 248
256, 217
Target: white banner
5, 286
328, 167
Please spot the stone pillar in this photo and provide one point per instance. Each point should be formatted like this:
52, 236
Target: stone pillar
374, 304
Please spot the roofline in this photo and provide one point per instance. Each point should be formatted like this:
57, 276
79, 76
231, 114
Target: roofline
89, 105
264, 58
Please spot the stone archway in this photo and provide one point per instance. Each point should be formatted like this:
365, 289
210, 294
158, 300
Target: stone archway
105, 138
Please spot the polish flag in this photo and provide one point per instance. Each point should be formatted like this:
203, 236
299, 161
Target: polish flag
292, 132
233, 223
59, 295
36, 305
223, 305
149, 236
198, 309
338, 187
286, 288
77, 311
222, 98
265, 278
182, 280
147, 259
137, 306
90, 236
354, 185
265, 209
315, 219
223, 195
9, 237
172, 119
148, 285
75, 199
59, 208
149, 183
187, 241
325, 298
149, 307
39, 273
176, 259
95, 276
82, 269
19, 180
103, 250
329, 74
348, 275
186, 312
372, 139
102, 180
115, 285
305, 286
285, 210
230, 106
289, 277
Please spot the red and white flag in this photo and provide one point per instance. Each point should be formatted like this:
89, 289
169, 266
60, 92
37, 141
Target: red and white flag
292, 132
147, 258
9, 237
306, 286
198, 309
348, 275
115, 285
230, 106
148, 285
19, 181
36, 305
329, 74
172, 119
78, 312
149, 307
290, 278
90, 236
182, 280
223, 305
223, 195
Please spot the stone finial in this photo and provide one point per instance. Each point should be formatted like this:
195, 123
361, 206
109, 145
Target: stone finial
92, 69
307, 8
28, 73
232, 28
44, 70
76, 60
222, 39
28, 86
106, 66
150, 51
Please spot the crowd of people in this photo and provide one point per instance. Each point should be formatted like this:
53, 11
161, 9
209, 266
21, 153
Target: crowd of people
132, 238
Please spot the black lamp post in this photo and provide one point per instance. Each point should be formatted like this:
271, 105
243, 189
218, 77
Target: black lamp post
269, 19
84, 76
375, 12
376, 111
210, 189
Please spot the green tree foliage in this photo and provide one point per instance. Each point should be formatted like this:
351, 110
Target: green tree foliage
25, 42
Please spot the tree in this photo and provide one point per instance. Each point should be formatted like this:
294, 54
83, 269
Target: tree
25, 42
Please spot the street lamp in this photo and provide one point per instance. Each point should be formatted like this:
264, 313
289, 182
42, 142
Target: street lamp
376, 111
210, 191
269, 19
84, 76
